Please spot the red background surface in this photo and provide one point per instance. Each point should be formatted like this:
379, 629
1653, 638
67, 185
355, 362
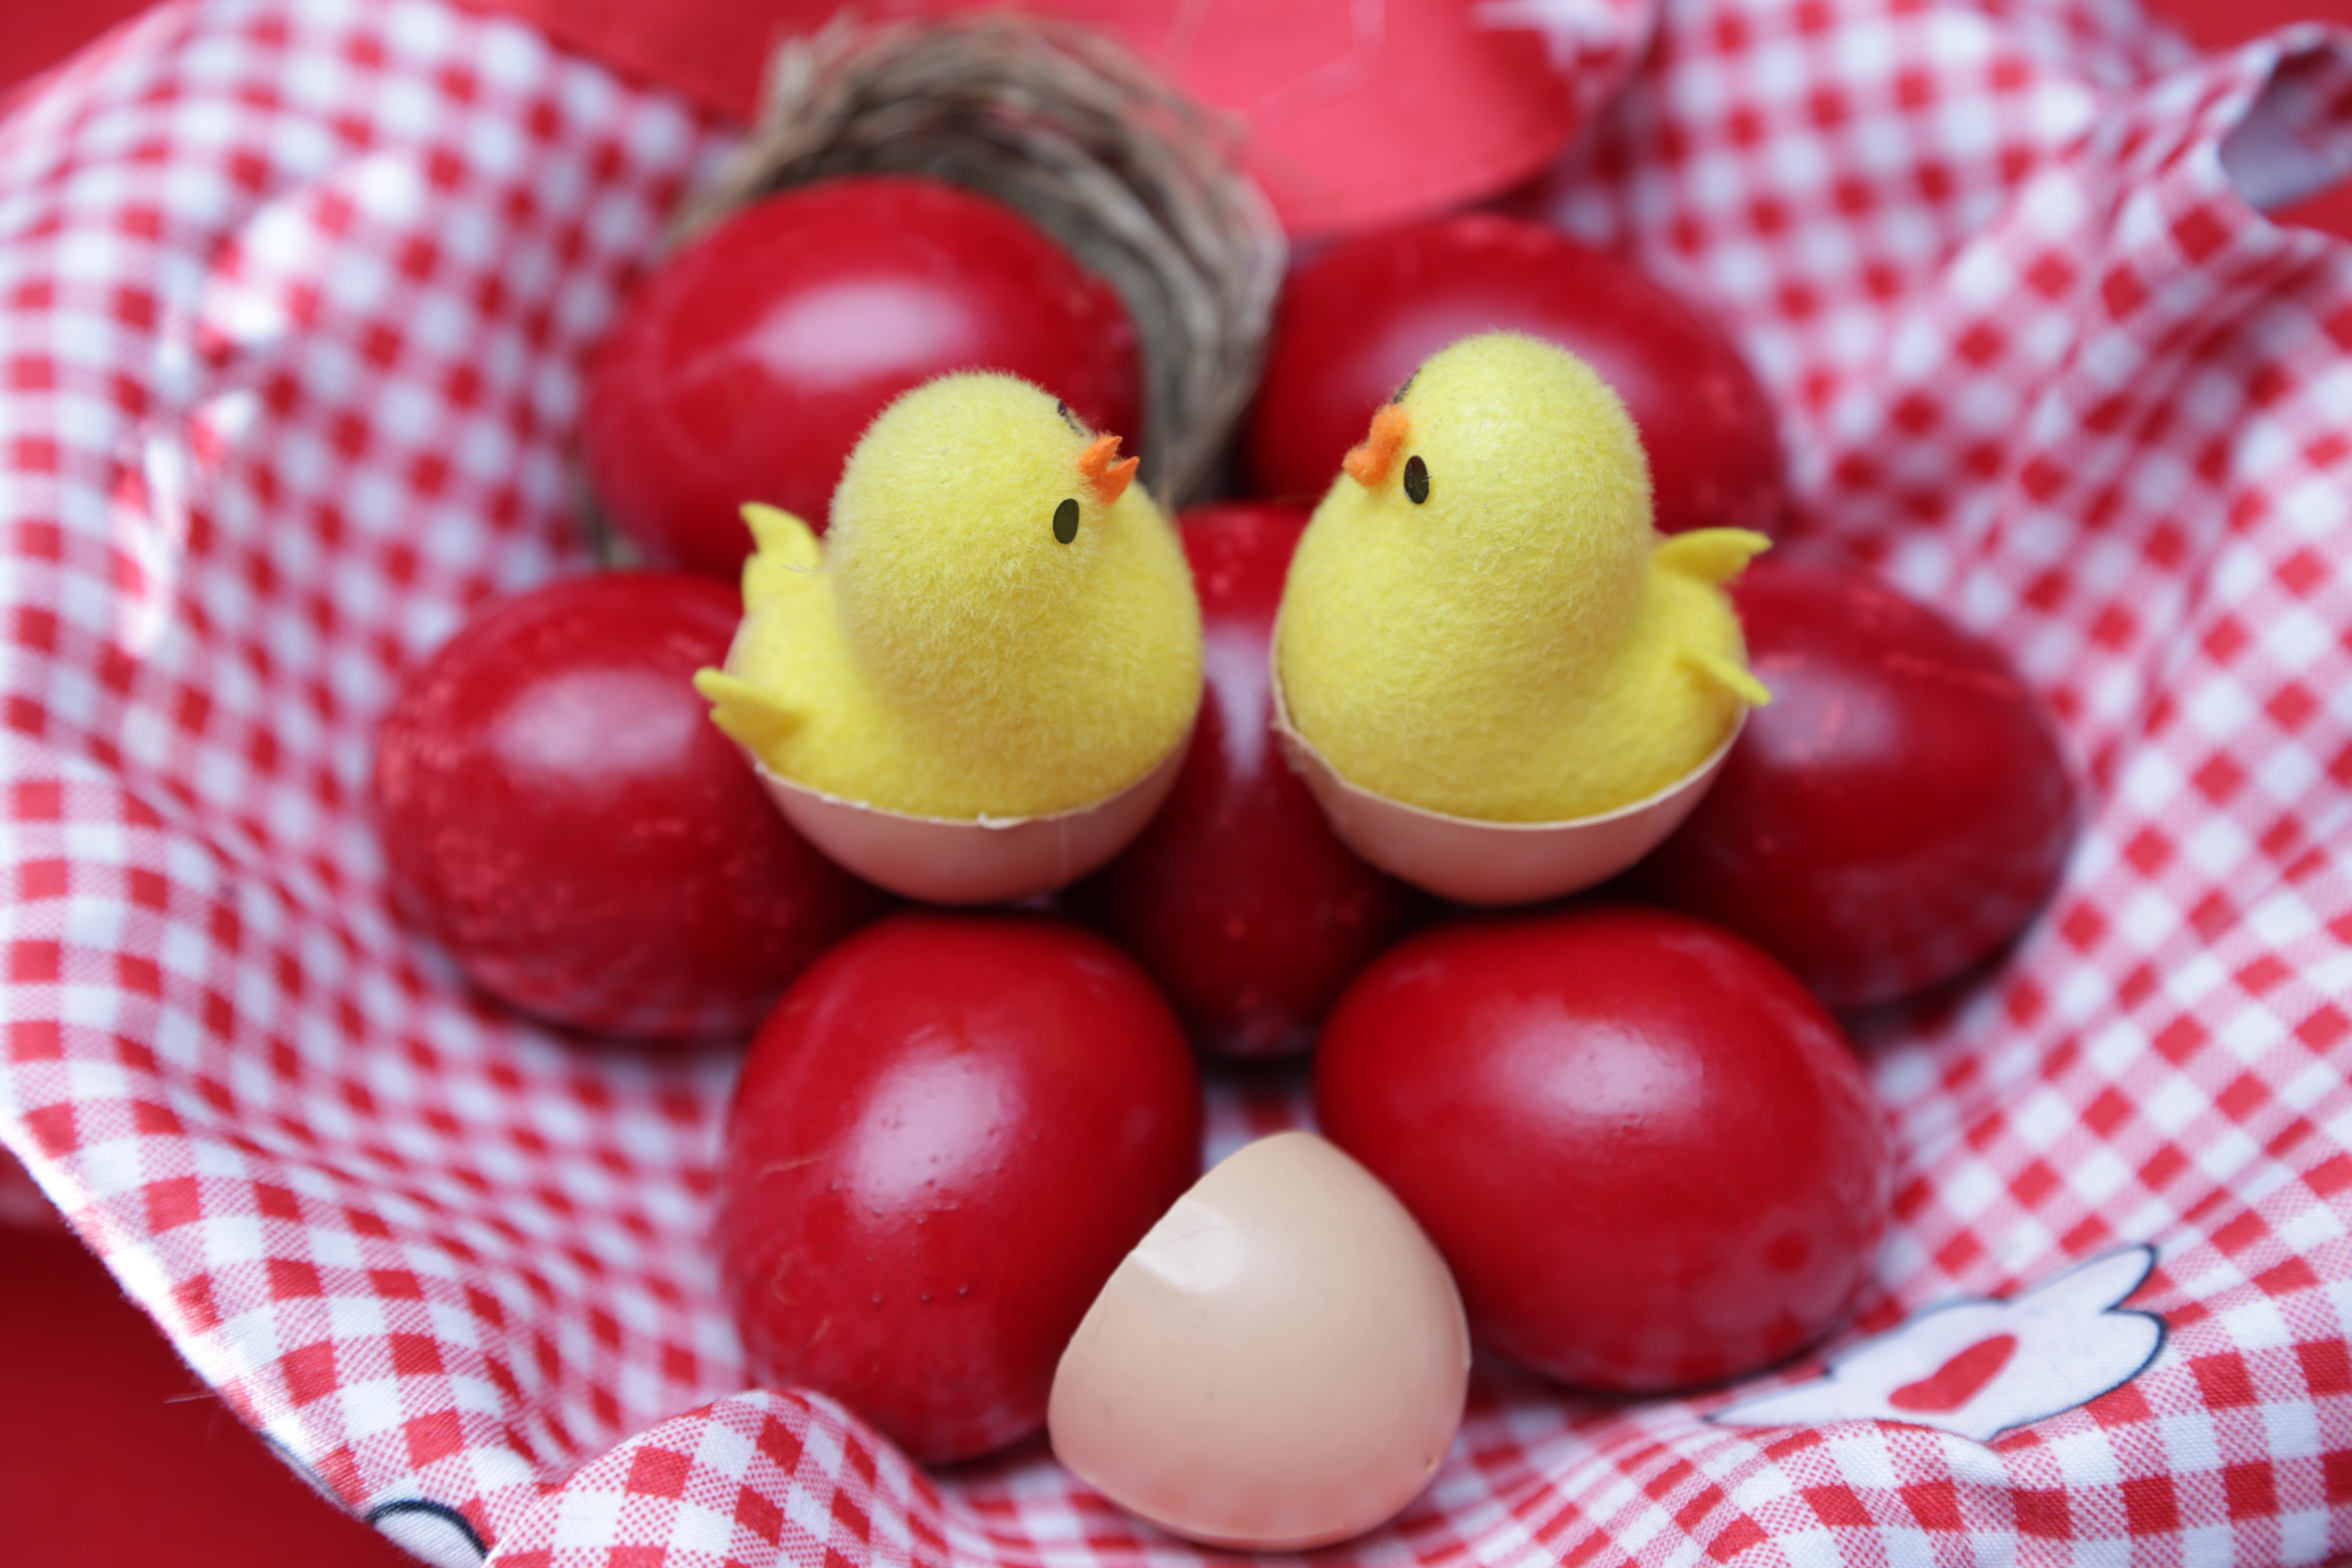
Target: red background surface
112, 1452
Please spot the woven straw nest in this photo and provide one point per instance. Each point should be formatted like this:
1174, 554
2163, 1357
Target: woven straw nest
1069, 130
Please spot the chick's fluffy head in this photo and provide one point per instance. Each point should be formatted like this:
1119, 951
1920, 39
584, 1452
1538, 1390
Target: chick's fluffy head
1498, 521
944, 537
1513, 476
1010, 596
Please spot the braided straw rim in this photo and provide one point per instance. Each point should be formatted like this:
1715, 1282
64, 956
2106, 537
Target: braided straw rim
1070, 130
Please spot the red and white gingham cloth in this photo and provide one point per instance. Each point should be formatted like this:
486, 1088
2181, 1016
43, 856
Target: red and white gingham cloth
293, 302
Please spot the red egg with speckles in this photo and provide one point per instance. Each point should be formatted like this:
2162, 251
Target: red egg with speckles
1238, 899
744, 367
943, 1141
559, 812
1895, 815
1357, 320
1646, 1153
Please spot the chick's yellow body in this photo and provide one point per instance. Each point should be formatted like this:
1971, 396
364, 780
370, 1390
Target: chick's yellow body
1491, 627
981, 633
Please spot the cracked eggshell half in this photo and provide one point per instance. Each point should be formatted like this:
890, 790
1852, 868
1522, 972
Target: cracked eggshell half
1281, 1364
1476, 862
971, 860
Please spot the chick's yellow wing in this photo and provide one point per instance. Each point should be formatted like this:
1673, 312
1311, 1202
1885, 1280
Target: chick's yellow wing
753, 719
786, 552
1709, 646
1728, 673
1710, 554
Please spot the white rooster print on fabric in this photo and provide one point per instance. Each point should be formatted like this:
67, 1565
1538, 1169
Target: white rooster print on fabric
1979, 1368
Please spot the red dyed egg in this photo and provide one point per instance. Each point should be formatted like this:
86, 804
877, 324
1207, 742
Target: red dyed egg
559, 813
944, 1139
746, 366
1238, 899
1899, 811
1646, 1153
1356, 320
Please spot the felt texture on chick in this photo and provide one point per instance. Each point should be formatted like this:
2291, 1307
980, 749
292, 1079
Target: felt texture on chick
998, 624
1481, 619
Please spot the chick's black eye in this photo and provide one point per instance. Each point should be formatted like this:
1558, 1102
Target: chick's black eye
1065, 521
1416, 480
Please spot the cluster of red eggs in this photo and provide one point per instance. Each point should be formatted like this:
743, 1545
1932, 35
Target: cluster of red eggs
1630, 1124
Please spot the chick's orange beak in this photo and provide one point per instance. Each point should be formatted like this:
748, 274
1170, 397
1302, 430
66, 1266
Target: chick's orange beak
1101, 465
1370, 461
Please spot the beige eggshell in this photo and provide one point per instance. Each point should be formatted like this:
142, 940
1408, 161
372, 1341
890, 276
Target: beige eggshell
1476, 862
1280, 1363
971, 860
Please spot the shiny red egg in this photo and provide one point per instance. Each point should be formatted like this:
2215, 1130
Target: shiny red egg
1354, 321
1646, 1153
559, 812
744, 367
1895, 815
947, 1136
1238, 899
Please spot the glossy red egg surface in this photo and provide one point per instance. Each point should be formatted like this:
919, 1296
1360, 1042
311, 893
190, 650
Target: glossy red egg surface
744, 367
1354, 321
1899, 811
559, 812
1238, 899
1647, 1154
947, 1136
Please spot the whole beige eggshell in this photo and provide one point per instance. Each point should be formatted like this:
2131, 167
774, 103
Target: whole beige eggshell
1280, 1363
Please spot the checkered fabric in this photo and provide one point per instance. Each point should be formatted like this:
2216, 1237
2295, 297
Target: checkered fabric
293, 303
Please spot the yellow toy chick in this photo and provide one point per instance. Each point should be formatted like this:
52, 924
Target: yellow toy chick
999, 623
1481, 619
